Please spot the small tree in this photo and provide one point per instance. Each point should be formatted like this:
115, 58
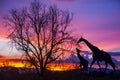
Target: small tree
41, 33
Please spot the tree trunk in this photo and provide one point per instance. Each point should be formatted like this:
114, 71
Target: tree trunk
42, 71
38, 72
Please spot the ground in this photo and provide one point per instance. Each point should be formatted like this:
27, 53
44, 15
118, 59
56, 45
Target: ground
14, 74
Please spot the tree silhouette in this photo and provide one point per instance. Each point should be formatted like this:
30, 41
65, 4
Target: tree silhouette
40, 32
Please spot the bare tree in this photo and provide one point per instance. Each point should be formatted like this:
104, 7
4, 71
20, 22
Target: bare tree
40, 32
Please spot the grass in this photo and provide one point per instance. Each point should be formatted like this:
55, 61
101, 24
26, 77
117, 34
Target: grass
13, 74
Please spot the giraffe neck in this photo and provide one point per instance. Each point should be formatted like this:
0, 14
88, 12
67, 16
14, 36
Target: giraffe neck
79, 56
91, 47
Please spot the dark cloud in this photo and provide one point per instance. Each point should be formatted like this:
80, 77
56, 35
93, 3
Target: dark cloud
17, 60
1, 56
2, 2
114, 53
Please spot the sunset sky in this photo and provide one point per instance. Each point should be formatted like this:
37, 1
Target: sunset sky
96, 20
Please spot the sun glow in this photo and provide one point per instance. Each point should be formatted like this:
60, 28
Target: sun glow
62, 66
52, 66
18, 64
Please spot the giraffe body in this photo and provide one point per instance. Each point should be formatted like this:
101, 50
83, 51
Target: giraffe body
83, 62
98, 55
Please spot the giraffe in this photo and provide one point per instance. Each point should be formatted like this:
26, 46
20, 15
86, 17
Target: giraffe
83, 62
98, 55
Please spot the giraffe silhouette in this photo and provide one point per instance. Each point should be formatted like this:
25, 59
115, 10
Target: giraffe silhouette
83, 62
98, 55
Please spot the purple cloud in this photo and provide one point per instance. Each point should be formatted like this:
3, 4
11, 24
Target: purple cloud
66, 0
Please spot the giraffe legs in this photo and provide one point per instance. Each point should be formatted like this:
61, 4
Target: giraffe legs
81, 67
99, 65
106, 65
92, 64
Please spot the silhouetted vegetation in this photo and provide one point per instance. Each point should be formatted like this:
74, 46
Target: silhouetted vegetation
12, 73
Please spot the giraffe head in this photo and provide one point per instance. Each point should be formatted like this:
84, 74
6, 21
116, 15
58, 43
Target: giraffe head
81, 39
77, 50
